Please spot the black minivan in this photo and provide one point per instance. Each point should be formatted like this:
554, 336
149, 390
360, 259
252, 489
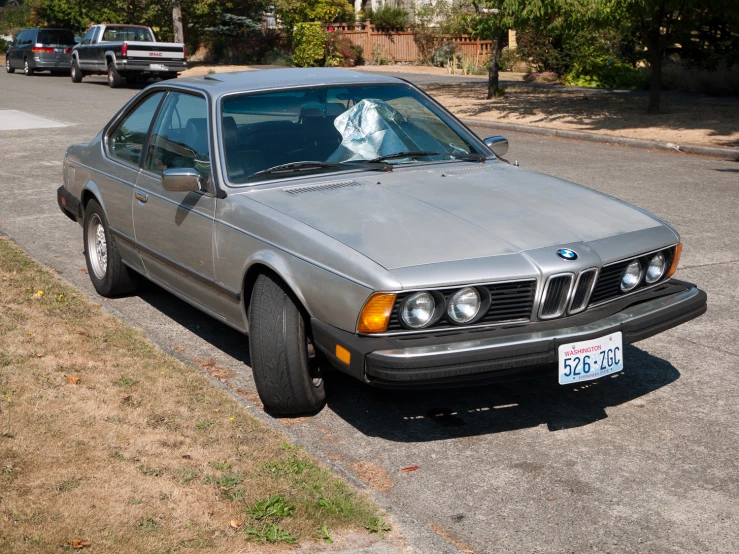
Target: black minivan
41, 50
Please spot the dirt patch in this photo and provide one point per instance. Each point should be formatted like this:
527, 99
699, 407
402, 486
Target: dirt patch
105, 439
374, 475
692, 120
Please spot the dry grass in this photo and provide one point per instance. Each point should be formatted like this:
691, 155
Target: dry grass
690, 121
106, 439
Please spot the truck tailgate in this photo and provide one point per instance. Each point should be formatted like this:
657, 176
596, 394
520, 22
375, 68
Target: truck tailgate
155, 51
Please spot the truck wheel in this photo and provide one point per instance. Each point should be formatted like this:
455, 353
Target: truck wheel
27, 69
108, 274
7, 65
115, 79
288, 379
76, 72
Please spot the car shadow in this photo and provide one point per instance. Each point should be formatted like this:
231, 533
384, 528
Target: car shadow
438, 414
429, 415
221, 336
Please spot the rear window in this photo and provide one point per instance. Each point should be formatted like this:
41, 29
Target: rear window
65, 38
125, 33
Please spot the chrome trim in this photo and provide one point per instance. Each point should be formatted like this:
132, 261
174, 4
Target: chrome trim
454, 327
570, 311
565, 304
637, 289
570, 333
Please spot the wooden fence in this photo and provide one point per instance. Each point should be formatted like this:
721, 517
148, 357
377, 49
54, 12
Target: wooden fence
401, 46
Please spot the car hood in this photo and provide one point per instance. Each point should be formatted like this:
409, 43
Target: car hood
442, 213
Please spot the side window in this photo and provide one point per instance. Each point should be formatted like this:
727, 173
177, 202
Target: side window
180, 137
87, 39
21, 39
126, 141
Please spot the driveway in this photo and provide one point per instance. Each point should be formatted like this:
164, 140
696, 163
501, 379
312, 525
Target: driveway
645, 461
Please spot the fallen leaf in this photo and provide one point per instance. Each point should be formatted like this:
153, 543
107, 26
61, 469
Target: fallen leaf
216, 410
77, 543
73, 380
235, 523
126, 398
83, 270
550, 498
39, 355
186, 457
211, 512
410, 468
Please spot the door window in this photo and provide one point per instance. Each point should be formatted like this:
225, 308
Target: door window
180, 137
87, 39
126, 141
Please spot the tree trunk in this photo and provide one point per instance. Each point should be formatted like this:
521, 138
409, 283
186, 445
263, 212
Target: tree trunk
655, 82
179, 34
495, 50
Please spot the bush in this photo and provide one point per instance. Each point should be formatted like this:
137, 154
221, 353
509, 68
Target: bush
389, 18
278, 57
509, 60
607, 74
723, 81
3, 46
543, 77
342, 53
309, 42
446, 53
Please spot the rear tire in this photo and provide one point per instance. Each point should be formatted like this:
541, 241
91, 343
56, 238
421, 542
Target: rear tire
27, 69
288, 380
108, 274
76, 72
8, 68
115, 79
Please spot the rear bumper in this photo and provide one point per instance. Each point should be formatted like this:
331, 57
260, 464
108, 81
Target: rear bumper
56, 64
68, 204
503, 353
170, 66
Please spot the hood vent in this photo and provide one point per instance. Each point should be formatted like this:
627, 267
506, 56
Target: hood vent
468, 169
324, 186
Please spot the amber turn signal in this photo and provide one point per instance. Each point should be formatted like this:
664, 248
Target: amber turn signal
376, 313
343, 354
675, 259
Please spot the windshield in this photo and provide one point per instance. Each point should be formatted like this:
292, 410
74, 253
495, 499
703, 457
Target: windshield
126, 33
336, 126
60, 38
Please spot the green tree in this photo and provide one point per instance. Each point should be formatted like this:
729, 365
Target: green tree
292, 12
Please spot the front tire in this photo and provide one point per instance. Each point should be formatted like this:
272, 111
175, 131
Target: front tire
288, 379
8, 68
108, 274
27, 69
115, 79
76, 72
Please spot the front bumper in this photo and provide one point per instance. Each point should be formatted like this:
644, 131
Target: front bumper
68, 204
500, 352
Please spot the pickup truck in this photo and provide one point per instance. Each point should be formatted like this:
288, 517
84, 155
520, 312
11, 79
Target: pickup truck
126, 53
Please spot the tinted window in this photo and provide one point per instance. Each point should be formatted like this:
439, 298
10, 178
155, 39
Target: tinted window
123, 33
127, 140
180, 136
333, 124
87, 39
65, 38
23, 38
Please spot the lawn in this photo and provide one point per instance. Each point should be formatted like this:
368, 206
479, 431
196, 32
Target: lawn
107, 441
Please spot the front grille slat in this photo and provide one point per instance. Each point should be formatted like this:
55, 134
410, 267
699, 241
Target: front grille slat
508, 302
582, 290
554, 300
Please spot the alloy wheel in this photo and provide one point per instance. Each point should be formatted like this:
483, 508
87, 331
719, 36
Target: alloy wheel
97, 246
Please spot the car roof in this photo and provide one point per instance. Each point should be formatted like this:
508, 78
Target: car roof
251, 81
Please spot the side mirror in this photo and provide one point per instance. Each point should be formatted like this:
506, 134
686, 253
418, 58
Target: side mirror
182, 179
77, 40
499, 145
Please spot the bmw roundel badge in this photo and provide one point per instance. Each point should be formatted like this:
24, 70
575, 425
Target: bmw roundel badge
567, 254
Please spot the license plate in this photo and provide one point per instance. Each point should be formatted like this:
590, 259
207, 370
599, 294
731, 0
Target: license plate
590, 359
59, 50
157, 67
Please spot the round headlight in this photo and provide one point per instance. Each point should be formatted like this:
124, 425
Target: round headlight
464, 305
418, 310
631, 276
655, 269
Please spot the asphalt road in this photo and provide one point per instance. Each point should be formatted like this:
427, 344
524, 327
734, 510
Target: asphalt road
645, 462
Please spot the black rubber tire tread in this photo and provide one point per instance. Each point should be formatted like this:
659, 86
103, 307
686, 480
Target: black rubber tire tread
27, 69
119, 279
115, 79
8, 68
279, 352
76, 71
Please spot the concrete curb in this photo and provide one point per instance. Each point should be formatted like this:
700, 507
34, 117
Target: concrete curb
420, 538
714, 151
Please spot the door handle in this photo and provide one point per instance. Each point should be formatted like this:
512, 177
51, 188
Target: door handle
142, 197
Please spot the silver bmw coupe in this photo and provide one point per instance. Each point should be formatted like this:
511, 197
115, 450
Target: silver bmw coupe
346, 219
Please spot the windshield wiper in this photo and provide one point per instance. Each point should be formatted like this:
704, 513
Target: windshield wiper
313, 165
418, 154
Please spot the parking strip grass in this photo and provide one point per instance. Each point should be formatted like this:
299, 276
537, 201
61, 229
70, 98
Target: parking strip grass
107, 440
